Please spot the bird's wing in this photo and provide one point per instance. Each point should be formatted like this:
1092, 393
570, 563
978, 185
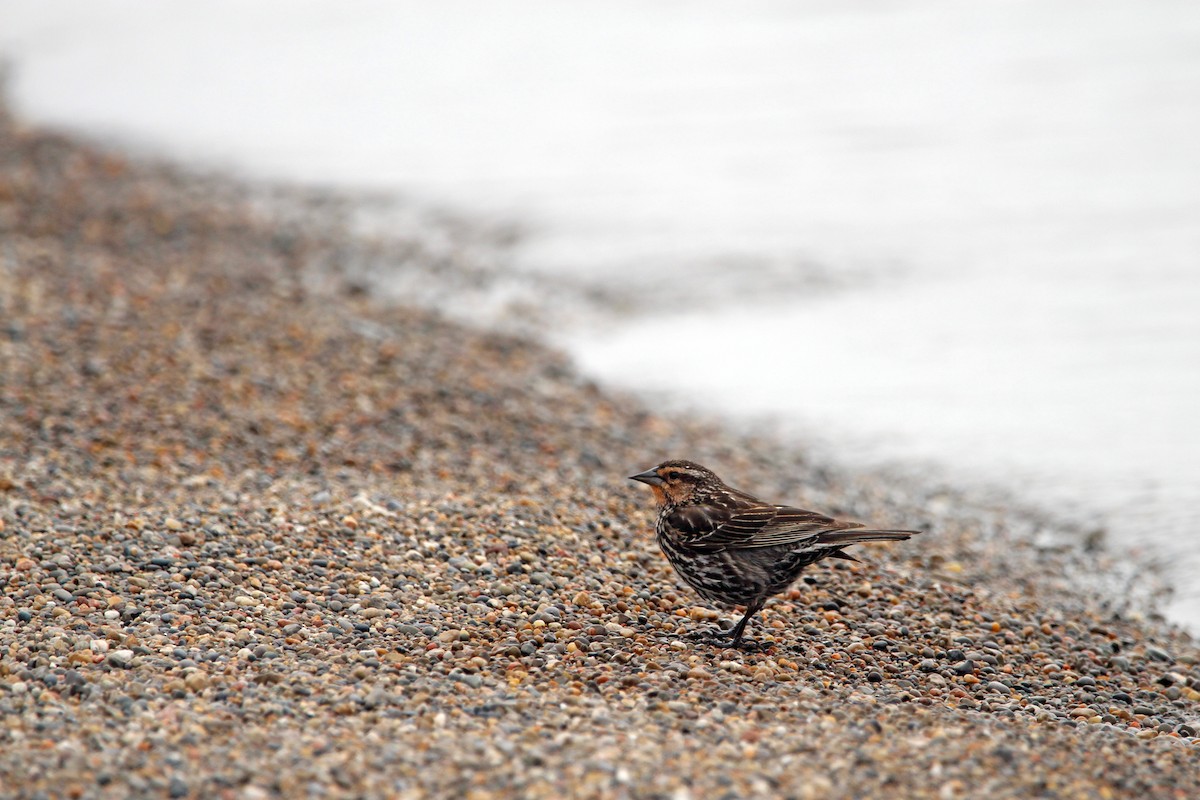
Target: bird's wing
719, 527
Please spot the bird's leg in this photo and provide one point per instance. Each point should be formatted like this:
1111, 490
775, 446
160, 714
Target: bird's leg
734, 637
751, 610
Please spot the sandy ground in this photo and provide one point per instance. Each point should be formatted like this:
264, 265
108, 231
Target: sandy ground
264, 536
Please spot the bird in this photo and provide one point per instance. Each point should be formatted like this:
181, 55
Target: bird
737, 550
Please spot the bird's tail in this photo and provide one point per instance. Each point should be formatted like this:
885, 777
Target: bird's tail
840, 539
857, 536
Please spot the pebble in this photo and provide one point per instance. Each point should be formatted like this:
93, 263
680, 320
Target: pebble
120, 658
1158, 654
196, 682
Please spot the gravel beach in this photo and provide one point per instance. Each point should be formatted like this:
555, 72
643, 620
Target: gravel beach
262, 535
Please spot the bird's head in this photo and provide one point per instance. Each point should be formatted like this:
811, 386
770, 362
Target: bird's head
679, 482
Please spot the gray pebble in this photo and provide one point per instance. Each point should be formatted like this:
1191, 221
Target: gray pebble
120, 658
1158, 654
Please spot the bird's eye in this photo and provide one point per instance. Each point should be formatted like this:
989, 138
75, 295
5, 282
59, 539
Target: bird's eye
674, 476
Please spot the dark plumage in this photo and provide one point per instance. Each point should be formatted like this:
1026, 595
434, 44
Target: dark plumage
737, 550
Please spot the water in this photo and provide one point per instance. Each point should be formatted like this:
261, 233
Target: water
961, 234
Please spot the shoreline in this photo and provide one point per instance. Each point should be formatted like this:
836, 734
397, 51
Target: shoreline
259, 532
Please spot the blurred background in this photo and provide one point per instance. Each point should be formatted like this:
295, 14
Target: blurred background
956, 237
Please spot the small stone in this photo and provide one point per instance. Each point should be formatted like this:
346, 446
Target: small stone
1158, 654
875, 676
698, 674
196, 682
1170, 678
173, 524
120, 658
177, 787
244, 601
451, 635
997, 686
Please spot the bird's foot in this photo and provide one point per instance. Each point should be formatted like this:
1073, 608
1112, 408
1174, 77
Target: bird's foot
726, 640
746, 645
702, 635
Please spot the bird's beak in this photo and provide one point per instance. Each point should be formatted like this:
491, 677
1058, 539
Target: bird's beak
649, 476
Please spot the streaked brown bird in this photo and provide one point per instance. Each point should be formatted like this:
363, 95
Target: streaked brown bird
737, 550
